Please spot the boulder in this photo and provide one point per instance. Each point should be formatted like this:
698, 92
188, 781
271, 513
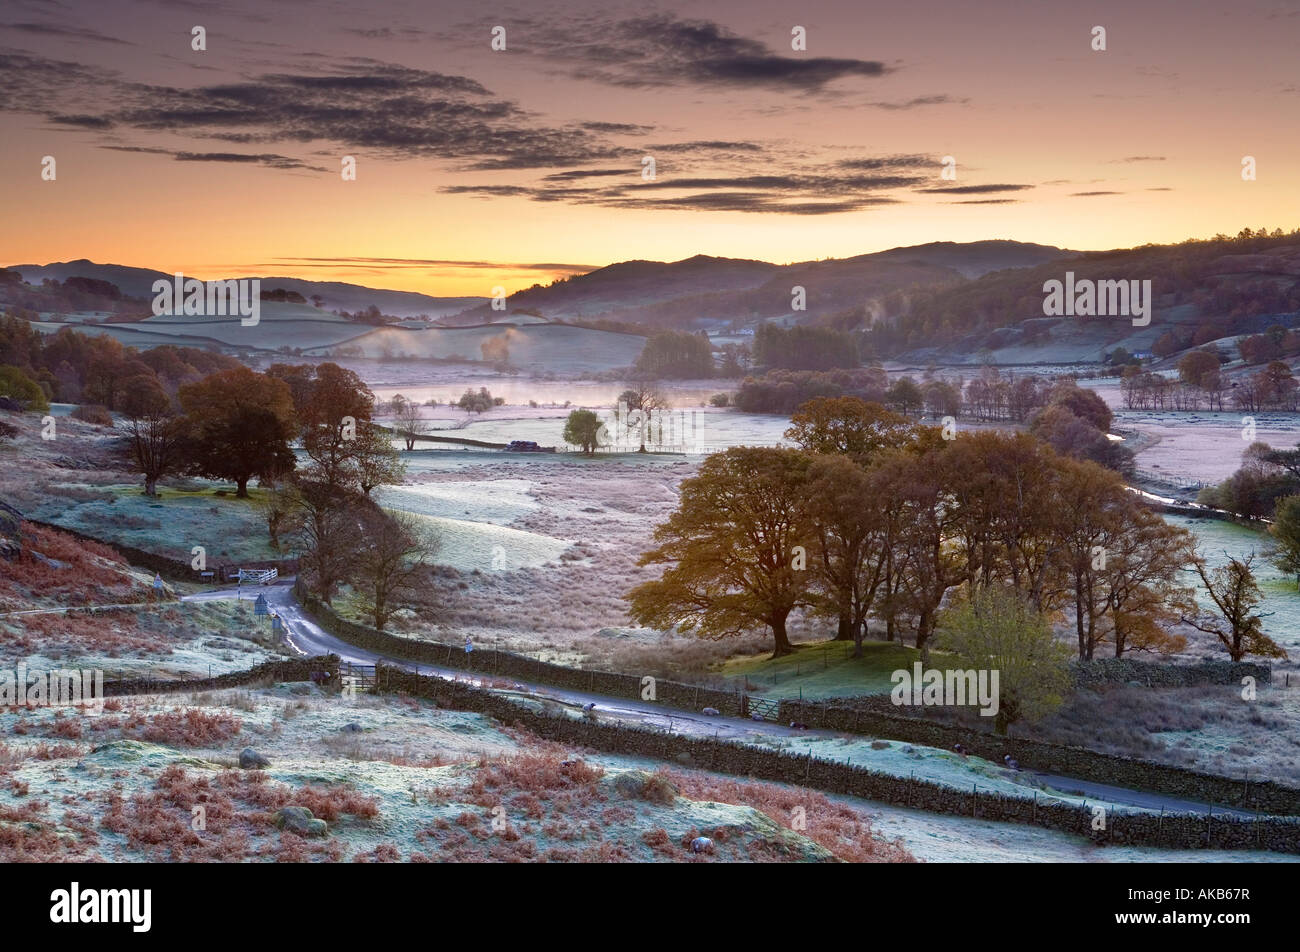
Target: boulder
250, 759
299, 820
640, 785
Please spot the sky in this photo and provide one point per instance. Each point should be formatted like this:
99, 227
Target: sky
479, 167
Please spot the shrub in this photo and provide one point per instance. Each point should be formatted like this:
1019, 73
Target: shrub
190, 729
93, 413
18, 386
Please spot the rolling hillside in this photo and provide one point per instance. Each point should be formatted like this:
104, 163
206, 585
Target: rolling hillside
138, 283
705, 292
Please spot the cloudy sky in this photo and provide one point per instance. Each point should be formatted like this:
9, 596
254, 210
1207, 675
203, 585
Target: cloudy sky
477, 167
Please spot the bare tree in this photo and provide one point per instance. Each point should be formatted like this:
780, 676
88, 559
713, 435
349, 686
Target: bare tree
279, 506
407, 422
643, 399
153, 427
328, 524
391, 562
1235, 594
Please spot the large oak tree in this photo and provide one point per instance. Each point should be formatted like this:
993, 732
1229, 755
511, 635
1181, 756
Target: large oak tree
238, 426
730, 548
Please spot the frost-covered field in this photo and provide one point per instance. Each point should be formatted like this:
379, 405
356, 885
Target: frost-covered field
389, 780
1198, 446
401, 780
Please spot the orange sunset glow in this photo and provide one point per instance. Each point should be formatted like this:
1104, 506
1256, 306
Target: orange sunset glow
479, 167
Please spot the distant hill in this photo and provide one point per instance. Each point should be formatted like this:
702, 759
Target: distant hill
138, 283
1203, 292
706, 292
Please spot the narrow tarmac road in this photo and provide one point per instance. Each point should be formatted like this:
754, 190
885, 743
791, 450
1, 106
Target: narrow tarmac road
307, 638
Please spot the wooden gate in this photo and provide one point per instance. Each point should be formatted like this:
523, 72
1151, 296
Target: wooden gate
758, 708
358, 677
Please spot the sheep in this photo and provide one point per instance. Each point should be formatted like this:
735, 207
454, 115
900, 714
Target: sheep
701, 844
589, 706
711, 711
756, 716
960, 749
1011, 762
798, 726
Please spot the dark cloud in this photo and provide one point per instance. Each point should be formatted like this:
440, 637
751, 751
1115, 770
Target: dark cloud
749, 202
1138, 158
64, 32
83, 122
709, 145
573, 174
618, 128
269, 160
888, 162
427, 263
1092, 194
387, 33
918, 101
792, 189
974, 189
664, 50
358, 105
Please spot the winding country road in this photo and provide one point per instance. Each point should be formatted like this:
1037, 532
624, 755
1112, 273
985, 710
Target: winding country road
306, 638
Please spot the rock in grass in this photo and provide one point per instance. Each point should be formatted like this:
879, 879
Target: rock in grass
299, 820
640, 785
250, 759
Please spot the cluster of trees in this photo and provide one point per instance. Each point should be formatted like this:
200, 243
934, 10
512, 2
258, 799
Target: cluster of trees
1200, 382
1275, 343
875, 517
283, 296
71, 367
1273, 388
783, 391
239, 425
994, 395
370, 314
1073, 420
804, 348
478, 401
1254, 490
1145, 390
676, 355
26, 301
